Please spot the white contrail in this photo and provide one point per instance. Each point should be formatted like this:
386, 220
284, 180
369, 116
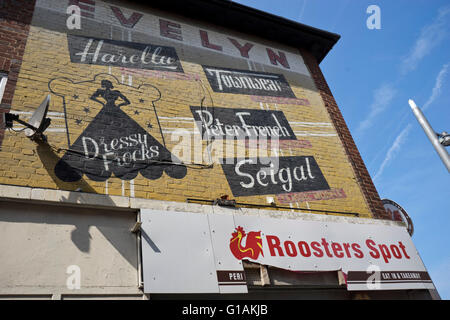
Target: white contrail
437, 86
382, 97
430, 37
393, 150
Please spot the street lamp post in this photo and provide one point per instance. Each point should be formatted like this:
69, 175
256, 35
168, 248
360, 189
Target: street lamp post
434, 138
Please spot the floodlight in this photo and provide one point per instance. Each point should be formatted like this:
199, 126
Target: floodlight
37, 124
438, 141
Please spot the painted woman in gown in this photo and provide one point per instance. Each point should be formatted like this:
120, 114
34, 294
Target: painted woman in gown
109, 95
114, 143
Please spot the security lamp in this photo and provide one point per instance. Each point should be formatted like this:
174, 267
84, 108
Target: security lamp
444, 138
439, 141
37, 124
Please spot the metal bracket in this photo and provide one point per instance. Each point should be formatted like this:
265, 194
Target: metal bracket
137, 227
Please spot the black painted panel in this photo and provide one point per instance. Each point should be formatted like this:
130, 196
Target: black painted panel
107, 52
248, 177
223, 123
248, 82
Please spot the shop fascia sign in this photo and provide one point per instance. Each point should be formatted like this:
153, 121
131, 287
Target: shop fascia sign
372, 256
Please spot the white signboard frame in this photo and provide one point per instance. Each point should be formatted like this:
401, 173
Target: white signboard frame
178, 254
203, 253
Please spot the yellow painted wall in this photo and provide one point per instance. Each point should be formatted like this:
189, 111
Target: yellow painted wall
47, 69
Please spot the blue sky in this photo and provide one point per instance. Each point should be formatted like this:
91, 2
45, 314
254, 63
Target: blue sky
372, 74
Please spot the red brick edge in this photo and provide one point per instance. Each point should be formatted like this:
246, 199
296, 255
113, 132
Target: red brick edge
15, 20
362, 175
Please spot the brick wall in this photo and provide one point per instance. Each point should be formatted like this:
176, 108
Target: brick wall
364, 179
15, 19
119, 144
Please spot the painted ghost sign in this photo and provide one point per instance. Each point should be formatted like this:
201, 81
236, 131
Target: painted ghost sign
222, 123
126, 85
106, 52
248, 177
248, 82
113, 143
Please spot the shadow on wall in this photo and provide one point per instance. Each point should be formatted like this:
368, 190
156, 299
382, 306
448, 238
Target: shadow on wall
49, 238
49, 159
80, 235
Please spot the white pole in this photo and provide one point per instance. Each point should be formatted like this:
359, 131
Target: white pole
440, 149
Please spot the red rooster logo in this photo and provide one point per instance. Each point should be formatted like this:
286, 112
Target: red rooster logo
253, 244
